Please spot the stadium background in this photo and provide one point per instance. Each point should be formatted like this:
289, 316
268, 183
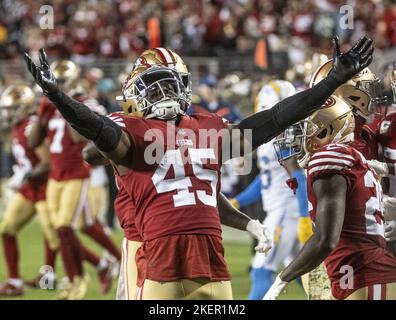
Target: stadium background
242, 42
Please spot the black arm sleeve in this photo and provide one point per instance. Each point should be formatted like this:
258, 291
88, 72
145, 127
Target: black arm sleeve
268, 124
101, 130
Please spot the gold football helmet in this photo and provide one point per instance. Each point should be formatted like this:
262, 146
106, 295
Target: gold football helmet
66, 73
168, 58
159, 86
363, 92
16, 103
154, 92
332, 123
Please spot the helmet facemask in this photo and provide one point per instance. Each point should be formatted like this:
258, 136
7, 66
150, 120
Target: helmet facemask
393, 83
7, 117
158, 92
186, 79
290, 143
308, 136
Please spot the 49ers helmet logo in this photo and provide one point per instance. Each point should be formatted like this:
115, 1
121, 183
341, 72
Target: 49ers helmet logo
328, 103
142, 61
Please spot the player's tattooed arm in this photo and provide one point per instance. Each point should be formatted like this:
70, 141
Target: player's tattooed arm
114, 143
267, 124
331, 195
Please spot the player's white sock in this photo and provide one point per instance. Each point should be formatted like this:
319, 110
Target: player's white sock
16, 282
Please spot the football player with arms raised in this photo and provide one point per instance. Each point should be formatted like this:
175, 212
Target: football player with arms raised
123, 205
183, 183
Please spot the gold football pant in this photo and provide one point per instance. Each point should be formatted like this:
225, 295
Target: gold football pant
186, 289
67, 203
128, 273
19, 211
97, 202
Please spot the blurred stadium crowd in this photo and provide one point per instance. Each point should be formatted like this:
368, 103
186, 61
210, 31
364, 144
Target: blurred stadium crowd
124, 28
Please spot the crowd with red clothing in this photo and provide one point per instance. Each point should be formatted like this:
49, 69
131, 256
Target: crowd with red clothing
123, 28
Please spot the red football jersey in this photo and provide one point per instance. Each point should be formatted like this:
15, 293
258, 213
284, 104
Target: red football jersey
173, 185
26, 159
366, 141
387, 139
65, 156
362, 245
178, 195
125, 211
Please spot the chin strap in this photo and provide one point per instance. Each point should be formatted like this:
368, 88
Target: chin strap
303, 162
166, 110
359, 113
346, 139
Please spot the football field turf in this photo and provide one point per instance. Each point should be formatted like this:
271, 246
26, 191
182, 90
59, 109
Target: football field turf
31, 247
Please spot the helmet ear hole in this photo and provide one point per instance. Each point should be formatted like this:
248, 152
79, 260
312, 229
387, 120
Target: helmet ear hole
354, 98
322, 134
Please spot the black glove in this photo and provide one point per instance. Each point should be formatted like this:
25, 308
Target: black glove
43, 74
346, 65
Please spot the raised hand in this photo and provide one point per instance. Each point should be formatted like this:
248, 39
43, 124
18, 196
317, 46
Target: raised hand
348, 64
42, 74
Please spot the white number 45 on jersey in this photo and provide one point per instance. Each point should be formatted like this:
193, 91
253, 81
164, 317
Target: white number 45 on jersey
181, 182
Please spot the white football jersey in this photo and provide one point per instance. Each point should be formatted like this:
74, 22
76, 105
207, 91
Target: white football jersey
276, 194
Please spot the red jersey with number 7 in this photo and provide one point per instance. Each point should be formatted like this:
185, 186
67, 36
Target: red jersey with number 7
65, 155
387, 139
173, 184
362, 247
